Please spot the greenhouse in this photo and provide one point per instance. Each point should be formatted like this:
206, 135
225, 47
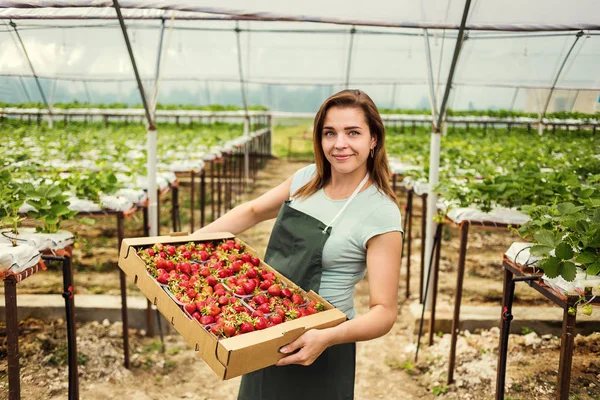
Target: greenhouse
129, 125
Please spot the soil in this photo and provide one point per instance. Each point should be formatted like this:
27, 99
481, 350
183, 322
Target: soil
386, 368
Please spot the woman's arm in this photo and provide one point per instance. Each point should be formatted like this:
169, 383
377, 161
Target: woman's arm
383, 266
251, 213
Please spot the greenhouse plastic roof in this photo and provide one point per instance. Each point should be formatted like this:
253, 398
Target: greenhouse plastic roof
485, 14
293, 63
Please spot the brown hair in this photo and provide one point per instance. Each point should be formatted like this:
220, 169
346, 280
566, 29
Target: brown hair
379, 170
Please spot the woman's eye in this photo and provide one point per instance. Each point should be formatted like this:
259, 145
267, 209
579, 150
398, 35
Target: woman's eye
328, 133
354, 133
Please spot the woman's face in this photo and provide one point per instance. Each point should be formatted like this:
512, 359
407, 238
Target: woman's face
346, 139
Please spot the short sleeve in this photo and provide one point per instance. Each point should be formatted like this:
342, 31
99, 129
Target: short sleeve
302, 176
384, 219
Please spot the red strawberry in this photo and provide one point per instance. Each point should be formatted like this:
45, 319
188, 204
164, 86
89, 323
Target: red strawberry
191, 293
162, 254
261, 323
249, 287
216, 330
264, 308
190, 307
286, 302
207, 290
218, 286
211, 280
275, 319
161, 263
232, 257
285, 292
229, 329
268, 276
222, 273
203, 255
251, 273
255, 261
150, 252
246, 257
237, 246
184, 277
260, 299
274, 290
207, 319
239, 291
196, 315
297, 299
171, 250
236, 266
264, 285
223, 300
246, 327
186, 254
204, 271
170, 266
311, 310
258, 313
158, 247
164, 279
220, 292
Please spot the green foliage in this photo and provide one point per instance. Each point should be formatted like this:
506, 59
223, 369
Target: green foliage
159, 106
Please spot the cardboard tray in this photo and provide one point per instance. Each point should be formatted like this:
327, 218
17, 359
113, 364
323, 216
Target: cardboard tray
233, 356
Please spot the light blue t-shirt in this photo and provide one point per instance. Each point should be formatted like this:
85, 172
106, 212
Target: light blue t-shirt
370, 213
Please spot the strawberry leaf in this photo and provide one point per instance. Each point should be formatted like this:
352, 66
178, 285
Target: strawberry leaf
587, 257
545, 238
540, 250
551, 266
564, 251
568, 270
593, 269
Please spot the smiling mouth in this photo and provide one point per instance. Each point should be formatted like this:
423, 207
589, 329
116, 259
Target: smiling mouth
342, 156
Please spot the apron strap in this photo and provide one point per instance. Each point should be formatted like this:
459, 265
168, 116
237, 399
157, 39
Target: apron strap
360, 186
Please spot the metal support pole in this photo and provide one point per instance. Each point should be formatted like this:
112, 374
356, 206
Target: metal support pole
202, 197
12, 338
123, 285
409, 212
566, 351
192, 200
562, 66
349, 62
464, 234
240, 69
37, 79
514, 99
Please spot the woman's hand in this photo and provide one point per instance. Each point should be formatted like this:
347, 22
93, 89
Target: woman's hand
310, 344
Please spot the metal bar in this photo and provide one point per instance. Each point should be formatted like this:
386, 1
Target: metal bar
12, 338
202, 197
219, 187
149, 117
212, 189
240, 69
423, 228
436, 274
464, 235
349, 62
123, 285
158, 213
37, 80
409, 214
175, 208
68, 293
226, 194
27, 96
505, 319
457, 48
566, 352
430, 80
192, 200
557, 77
514, 99
158, 62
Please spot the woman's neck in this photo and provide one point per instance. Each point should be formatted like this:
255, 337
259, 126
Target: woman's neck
341, 186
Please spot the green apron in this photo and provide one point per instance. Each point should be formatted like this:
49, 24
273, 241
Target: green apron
295, 249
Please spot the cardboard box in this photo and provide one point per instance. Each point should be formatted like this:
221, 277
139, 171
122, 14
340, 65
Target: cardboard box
233, 356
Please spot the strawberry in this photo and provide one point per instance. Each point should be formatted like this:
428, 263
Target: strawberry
261, 323
184, 277
150, 252
236, 266
260, 299
246, 257
249, 287
266, 284
292, 314
162, 254
219, 292
275, 319
161, 263
207, 319
239, 291
222, 274
264, 308
207, 290
170, 266
274, 290
196, 315
251, 273
204, 271
171, 250
190, 307
237, 246
216, 330
255, 261
268, 276
310, 310
203, 255
285, 292
223, 300
317, 305
191, 293
246, 327
258, 313
158, 247
164, 278
286, 302
218, 286
232, 257
229, 329
297, 299
187, 255
211, 280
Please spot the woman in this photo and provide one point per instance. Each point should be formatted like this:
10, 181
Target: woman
342, 221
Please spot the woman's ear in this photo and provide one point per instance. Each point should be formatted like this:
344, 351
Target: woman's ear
373, 142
